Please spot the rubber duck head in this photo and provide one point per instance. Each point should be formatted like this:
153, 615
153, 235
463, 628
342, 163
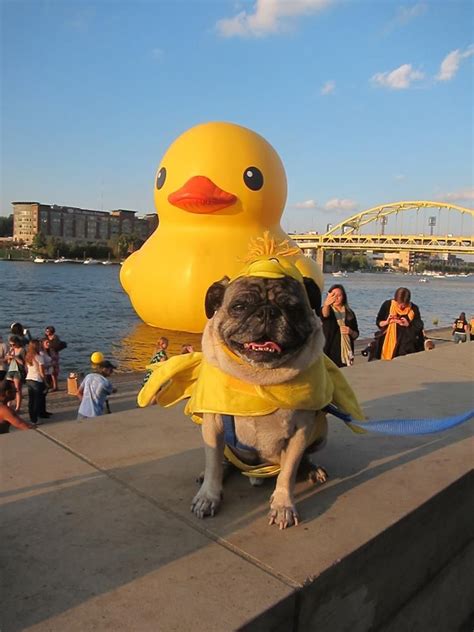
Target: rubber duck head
220, 170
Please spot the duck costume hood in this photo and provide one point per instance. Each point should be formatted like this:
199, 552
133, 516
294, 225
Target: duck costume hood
209, 389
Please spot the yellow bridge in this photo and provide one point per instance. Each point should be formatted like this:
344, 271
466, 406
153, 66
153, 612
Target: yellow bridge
350, 234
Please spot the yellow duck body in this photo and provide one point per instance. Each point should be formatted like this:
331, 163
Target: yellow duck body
218, 186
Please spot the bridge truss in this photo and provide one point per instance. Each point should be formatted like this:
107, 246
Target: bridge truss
347, 235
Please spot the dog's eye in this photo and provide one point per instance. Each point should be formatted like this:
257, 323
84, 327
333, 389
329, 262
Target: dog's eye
253, 178
161, 177
238, 307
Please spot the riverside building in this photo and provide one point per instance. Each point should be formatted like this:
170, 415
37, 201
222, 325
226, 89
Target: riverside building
71, 224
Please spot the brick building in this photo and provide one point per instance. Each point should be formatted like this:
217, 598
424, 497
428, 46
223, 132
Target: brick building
73, 224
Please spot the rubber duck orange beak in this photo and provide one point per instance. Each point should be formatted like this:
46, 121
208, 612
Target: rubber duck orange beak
201, 195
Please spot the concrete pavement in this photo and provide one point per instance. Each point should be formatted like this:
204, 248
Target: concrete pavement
97, 532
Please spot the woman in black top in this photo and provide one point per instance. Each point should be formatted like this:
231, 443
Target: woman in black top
339, 326
400, 325
460, 328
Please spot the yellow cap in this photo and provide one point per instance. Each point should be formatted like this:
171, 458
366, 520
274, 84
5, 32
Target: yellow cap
97, 357
270, 267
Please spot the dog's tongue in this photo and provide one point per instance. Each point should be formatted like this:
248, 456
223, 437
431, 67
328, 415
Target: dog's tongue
269, 346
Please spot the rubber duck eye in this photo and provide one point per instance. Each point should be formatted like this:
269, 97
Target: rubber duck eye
160, 178
253, 178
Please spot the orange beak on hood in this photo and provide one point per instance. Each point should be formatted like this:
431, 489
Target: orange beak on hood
201, 195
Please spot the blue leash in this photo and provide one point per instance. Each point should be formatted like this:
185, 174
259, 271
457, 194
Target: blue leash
404, 426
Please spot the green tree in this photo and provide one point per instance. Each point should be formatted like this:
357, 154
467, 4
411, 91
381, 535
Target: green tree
39, 243
52, 247
6, 226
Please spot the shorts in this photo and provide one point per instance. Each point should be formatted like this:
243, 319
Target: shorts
13, 375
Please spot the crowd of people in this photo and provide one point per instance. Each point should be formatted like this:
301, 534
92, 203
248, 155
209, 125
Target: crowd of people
34, 362
30, 362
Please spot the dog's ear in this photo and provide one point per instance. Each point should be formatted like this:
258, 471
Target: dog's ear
314, 294
215, 296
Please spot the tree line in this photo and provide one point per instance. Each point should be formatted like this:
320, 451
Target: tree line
118, 247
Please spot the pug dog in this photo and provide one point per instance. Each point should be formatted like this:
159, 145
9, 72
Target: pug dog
263, 331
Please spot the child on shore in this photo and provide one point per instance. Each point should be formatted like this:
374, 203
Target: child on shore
94, 390
160, 355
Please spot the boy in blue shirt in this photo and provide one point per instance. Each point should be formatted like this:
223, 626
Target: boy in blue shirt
94, 390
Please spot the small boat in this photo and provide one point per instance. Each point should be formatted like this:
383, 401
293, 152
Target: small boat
90, 262
340, 274
39, 260
107, 263
423, 280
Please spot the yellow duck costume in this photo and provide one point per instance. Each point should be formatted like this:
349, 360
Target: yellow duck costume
210, 390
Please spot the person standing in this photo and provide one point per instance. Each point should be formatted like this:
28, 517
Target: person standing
46, 354
56, 345
16, 371
339, 326
460, 328
35, 381
94, 390
401, 327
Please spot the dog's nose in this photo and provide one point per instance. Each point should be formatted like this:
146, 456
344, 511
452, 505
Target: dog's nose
268, 312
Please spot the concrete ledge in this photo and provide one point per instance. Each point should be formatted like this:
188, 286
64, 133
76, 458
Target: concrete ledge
98, 534
414, 572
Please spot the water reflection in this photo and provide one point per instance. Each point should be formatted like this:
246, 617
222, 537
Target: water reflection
134, 350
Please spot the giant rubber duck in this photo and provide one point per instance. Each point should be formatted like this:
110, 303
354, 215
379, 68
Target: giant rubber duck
218, 186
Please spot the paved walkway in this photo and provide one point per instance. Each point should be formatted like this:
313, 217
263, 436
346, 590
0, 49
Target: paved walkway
97, 532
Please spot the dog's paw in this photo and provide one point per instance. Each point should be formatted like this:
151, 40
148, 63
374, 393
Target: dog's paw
205, 503
283, 517
282, 511
318, 475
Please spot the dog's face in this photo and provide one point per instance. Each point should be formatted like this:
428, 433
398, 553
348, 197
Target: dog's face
264, 321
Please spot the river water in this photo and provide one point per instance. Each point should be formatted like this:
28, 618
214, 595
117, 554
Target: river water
91, 312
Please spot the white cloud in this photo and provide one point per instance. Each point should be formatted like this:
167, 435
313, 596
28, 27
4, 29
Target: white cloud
306, 204
268, 16
328, 87
399, 79
405, 14
450, 64
457, 196
341, 204
399, 177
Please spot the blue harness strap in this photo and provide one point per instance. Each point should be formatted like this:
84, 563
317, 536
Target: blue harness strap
230, 437
402, 427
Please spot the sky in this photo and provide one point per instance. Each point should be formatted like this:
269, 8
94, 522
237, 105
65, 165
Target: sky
365, 102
